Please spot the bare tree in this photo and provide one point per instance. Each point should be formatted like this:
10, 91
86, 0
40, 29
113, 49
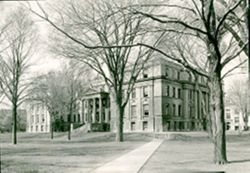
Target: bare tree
238, 26
75, 85
59, 91
95, 37
236, 94
17, 45
47, 90
200, 21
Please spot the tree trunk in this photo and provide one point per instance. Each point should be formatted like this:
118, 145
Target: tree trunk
119, 123
217, 119
51, 129
14, 123
69, 131
248, 82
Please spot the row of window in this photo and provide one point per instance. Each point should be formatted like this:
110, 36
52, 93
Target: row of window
37, 119
37, 108
144, 126
145, 110
176, 110
175, 74
145, 91
36, 128
173, 92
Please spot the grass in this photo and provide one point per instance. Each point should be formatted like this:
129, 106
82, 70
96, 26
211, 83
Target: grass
183, 153
36, 153
189, 154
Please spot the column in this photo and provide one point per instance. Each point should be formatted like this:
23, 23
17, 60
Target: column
200, 105
100, 110
86, 110
185, 107
80, 111
88, 116
196, 103
93, 110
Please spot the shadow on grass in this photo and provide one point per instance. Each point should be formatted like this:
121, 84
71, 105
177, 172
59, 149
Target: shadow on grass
240, 161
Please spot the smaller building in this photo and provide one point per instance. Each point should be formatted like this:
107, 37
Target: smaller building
234, 118
95, 109
38, 118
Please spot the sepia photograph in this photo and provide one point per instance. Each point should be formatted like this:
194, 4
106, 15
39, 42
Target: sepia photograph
124, 86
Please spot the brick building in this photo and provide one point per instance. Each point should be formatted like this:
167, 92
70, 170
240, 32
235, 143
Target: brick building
166, 97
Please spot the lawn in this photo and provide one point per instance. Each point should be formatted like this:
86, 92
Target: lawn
36, 153
185, 154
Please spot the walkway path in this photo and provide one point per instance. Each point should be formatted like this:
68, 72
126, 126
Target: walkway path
132, 161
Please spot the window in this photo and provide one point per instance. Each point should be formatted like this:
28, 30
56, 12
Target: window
32, 108
178, 75
43, 118
174, 73
145, 91
228, 115
168, 90
36, 128
190, 94
145, 73
174, 109
236, 119
75, 117
145, 125
167, 109
236, 111
132, 126
37, 118
167, 71
41, 128
31, 128
133, 111
145, 110
173, 91
42, 108
133, 93
79, 118
32, 118
179, 93
190, 111
179, 110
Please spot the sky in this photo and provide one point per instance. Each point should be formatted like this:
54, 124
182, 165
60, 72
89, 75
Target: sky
44, 61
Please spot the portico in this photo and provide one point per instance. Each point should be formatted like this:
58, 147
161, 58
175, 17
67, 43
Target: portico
95, 110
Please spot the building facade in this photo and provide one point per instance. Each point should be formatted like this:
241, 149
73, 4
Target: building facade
234, 118
38, 119
95, 110
166, 97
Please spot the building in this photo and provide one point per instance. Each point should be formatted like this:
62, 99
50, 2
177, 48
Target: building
166, 97
234, 118
95, 110
38, 118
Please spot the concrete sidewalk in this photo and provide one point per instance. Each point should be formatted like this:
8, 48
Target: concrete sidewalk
132, 161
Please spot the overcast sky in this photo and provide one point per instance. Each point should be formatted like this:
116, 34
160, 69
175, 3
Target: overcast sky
43, 61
